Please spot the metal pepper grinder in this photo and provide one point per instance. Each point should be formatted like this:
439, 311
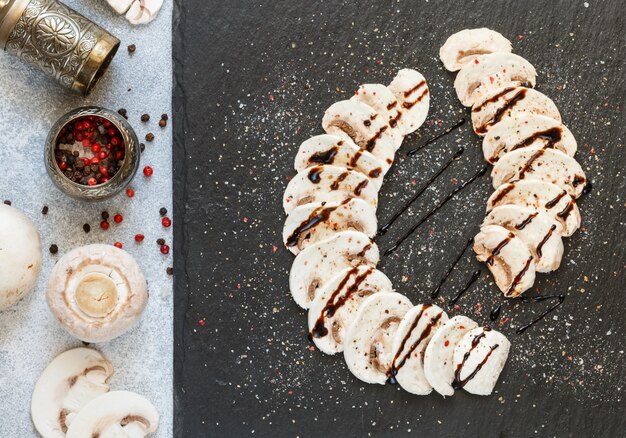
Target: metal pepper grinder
57, 40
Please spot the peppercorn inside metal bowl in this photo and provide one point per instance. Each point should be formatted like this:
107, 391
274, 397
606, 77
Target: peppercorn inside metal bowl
92, 153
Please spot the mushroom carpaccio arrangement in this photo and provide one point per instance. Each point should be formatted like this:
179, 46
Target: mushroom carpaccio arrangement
331, 224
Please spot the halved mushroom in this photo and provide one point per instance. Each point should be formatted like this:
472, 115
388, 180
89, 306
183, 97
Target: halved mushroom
328, 183
507, 257
368, 347
97, 292
321, 261
331, 149
335, 306
540, 232
479, 359
361, 123
439, 354
489, 72
413, 94
379, 97
510, 102
20, 255
68, 383
536, 163
115, 414
414, 333
311, 223
465, 46
143, 11
525, 131
541, 196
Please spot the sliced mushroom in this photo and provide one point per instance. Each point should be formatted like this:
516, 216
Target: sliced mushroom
439, 354
414, 333
361, 123
536, 163
489, 72
540, 232
479, 359
120, 6
20, 255
541, 196
97, 292
507, 257
115, 414
335, 306
68, 383
331, 149
143, 11
525, 131
368, 348
327, 183
510, 102
465, 46
321, 261
311, 223
413, 94
379, 97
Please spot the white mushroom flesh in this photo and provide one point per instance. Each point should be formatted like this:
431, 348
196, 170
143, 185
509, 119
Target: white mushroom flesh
383, 101
465, 46
143, 11
120, 6
413, 94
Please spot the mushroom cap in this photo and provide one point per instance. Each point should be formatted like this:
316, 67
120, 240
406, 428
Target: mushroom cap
143, 11
328, 183
479, 359
465, 46
335, 305
540, 232
368, 348
524, 131
510, 102
97, 292
439, 354
115, 414
360, 122
507, 257
20, 255
68, 383
383, 101
490, 72
331, 149
311, 223
321, 261
414, 333
410, 88
541, 164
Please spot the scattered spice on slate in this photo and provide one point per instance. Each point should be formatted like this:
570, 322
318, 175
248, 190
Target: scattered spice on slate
130, 193
170, 270
149, 136
118, 218
54, 249
86, 228
132, 48
122, 112
139, 237
165, 249
118, 245
105, 215
104, 225
147, 171
163, 211
145, 117
166, 222
160, 241
7, 202
44, 210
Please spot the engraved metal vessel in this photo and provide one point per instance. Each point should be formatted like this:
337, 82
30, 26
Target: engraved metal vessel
57, 40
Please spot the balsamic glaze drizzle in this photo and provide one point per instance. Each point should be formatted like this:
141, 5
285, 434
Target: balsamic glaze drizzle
475, 276
435, 293
436, 137
538, 299
495, 313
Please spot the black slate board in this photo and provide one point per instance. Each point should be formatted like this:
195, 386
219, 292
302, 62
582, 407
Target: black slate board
252, 81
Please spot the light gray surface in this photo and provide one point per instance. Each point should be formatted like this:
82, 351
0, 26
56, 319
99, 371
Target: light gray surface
30, 103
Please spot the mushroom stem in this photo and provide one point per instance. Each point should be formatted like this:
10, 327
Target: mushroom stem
96, 294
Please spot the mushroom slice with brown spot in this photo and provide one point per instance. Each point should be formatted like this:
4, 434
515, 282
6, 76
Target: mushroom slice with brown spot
465, 46
414, 333
509, 103
331, 149
536, 163
479, 359
115, 414
328, 183
439, 354
20, 255
97, 292
489, 72
541, 196
368, 347
383, 101
540, 232
525, 131
322, 261
68, 383
410, 88
507, 257
335, 306
314, 222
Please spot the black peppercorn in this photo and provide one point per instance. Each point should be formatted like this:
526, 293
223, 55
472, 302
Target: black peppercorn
7, 202
44, 210
86, 228
149, 136
122, 112
162, 123
164, 116
142, 147
145, 117
163, 211
132, 48
54, 249
160, 241
105, 215
170, 270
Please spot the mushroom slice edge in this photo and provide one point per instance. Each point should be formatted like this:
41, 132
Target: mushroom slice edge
464, 46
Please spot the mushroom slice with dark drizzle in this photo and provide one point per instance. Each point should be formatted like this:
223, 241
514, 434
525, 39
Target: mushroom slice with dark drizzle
410, 88
383, 101
465, 46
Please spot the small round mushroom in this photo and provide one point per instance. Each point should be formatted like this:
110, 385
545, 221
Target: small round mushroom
20, 255
97, 292
68, 383
115, 414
